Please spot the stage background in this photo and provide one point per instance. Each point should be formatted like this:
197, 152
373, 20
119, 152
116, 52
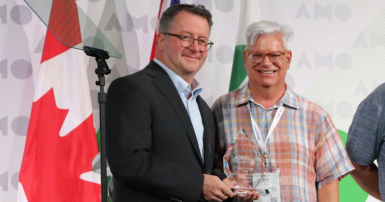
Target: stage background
338, 59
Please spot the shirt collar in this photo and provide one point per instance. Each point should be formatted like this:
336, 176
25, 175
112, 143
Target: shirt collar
181, 85
289, 98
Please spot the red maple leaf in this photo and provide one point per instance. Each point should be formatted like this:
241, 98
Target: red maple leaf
52, 165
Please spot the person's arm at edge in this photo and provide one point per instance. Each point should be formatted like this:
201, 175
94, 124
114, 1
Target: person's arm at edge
329, 192
363, 135
367, 178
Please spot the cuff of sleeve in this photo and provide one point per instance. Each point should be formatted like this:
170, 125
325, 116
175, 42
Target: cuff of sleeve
330, 179
220, 174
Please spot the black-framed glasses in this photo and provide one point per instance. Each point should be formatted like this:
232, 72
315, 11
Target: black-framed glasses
187, 40
274, 57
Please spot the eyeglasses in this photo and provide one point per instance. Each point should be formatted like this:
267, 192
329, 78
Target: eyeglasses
187, 41
274, 57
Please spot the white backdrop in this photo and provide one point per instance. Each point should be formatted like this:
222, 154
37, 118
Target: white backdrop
338, 57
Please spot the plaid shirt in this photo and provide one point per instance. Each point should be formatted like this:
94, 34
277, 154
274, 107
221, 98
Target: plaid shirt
305, 144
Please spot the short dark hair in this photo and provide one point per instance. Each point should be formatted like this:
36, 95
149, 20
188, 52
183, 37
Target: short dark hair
168, 16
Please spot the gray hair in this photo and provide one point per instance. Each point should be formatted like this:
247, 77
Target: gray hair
257, 29
168, 16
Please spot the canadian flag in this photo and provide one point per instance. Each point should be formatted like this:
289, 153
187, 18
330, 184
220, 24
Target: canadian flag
61, 141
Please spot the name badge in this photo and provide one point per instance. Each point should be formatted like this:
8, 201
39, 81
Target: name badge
266, 182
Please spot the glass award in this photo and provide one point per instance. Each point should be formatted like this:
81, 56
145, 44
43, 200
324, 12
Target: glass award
240, 163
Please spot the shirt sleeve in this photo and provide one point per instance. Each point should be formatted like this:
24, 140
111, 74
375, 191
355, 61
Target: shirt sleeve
364, 140
332, 161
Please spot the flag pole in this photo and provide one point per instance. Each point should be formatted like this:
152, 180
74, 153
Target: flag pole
102, 69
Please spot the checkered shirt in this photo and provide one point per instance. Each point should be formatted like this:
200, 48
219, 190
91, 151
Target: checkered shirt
305, 144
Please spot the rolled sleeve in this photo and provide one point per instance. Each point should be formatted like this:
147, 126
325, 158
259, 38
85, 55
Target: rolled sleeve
332, 161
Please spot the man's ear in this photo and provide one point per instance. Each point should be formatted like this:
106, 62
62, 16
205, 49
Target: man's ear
245, 55
245, 58
288, 56
160, 41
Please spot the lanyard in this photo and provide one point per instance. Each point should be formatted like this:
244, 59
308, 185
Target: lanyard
257, 132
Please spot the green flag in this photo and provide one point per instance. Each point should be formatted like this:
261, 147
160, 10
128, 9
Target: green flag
249, 13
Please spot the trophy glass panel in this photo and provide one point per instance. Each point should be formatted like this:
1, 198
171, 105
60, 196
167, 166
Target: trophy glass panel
240, 163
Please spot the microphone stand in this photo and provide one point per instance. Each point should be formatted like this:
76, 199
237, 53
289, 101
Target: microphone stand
102, 69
